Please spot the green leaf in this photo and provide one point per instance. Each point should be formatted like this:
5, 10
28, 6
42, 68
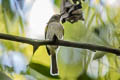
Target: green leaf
3, 76
6, 6
84, 76
91, 19
21, 23
100, 19
6, 21
70, 62
44, 70
98, 55
74, 32
57, 2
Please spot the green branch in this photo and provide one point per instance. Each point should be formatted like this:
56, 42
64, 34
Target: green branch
33, 42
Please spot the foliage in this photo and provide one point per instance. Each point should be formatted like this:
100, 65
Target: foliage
101, 26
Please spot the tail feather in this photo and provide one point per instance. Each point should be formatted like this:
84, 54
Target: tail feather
54, 67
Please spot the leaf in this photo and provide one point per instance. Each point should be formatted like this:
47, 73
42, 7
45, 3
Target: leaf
7, 8
98, 55
21, 23
91, 19
84, 76
70, 62
98, 68
100, 19
44, 70
12, 13
6, 21
9, 45
3, 76
57, 2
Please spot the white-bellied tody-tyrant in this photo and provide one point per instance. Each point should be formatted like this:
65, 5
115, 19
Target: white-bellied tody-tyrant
54, 31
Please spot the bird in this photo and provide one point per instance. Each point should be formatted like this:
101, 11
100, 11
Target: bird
54, 31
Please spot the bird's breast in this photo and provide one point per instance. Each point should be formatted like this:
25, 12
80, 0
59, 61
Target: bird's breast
54, 29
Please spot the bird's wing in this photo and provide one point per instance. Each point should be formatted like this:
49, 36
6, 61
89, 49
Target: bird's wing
48, 51
46, 31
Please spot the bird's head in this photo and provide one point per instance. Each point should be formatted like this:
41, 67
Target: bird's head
55, 17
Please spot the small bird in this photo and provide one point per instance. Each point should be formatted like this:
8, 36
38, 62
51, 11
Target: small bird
54, 31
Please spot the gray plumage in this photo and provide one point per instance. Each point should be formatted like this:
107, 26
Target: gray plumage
53, 30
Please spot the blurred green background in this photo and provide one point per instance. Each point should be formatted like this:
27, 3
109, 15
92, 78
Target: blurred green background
101, 26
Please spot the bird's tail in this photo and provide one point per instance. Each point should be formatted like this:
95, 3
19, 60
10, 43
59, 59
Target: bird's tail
54, 67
